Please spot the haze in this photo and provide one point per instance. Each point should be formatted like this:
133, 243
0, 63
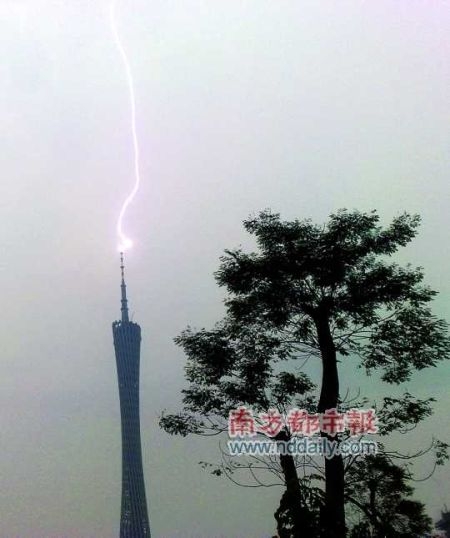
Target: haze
301, 106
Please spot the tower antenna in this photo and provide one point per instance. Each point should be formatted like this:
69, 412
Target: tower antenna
123, 288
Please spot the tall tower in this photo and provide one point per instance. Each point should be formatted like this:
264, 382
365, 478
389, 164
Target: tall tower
127, 343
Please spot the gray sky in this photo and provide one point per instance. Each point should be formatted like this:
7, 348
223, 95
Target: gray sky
301, 106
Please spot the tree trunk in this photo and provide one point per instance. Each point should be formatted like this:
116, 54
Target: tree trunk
292, 503
333, 514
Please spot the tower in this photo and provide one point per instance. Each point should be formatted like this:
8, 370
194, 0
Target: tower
127, 343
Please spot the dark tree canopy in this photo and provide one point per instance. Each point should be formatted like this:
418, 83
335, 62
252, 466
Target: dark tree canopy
376, 309
380, 490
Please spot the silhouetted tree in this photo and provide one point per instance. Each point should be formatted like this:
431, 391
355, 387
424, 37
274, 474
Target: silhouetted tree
379, 490
307, 512
227, 369
309, 291
444, 523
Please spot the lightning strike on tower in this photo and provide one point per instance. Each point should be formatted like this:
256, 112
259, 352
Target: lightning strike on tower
124, 241
134, 522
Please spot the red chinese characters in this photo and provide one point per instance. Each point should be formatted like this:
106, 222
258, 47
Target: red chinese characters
360, 421
241, 422
299, 422
272, 423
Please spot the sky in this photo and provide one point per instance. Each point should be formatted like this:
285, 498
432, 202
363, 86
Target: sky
300, 106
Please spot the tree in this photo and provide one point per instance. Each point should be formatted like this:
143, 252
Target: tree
378, 489
302, 518
310, 291
444, 523
227, 369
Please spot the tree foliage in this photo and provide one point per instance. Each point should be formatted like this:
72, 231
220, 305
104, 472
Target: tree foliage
379, 489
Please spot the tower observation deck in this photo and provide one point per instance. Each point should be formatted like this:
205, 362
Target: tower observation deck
134, 521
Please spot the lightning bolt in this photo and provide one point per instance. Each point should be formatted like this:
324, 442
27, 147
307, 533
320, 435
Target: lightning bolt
124, 241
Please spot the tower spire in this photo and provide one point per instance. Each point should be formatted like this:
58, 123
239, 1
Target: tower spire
123, 288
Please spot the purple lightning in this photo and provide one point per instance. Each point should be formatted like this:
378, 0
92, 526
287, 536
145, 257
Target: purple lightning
124, 241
